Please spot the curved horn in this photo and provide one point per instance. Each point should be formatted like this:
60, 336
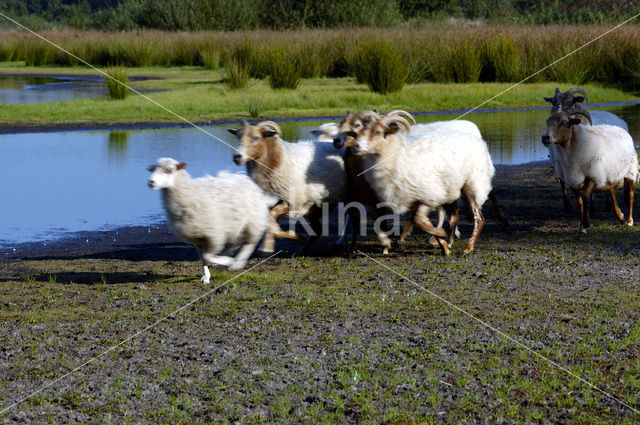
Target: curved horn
400, 112
577, 109
396, 120
578, 90
271, 124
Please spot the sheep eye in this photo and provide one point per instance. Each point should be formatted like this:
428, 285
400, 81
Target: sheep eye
255, 140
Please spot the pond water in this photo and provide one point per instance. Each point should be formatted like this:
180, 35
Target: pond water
54, 184
20, 89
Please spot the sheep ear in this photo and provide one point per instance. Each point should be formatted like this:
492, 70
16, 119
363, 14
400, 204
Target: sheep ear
181, 165
269, 133
548, 99
393, 128
574, 121
316, 132
151, 168
233, 131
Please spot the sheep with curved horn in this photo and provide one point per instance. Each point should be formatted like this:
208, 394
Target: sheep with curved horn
596, 158
569, 103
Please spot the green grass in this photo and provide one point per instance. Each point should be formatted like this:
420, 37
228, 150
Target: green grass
202, 96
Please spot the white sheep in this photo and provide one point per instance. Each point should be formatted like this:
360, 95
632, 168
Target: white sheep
304, 175
212, 213
357, 187
592, 158
428, 173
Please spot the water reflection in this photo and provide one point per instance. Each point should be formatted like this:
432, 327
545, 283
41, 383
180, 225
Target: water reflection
48, 89
82, 181
117, 146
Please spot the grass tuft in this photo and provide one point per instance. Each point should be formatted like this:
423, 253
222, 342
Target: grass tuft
116, 84
284, 70
237, 66
380, 66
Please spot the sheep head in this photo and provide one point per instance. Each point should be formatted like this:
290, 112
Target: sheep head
252, 139
351, 126
374, 136
326, 132
569, 103
164, 172
559, 129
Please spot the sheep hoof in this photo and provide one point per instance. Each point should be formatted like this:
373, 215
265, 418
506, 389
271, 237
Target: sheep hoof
583, 231
204, 280
236, 266
630, 222
467, 250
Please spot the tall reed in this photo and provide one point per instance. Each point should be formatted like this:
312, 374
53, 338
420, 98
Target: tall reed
439, 54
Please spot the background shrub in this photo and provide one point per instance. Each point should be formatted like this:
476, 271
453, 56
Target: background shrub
379, 65
284, 69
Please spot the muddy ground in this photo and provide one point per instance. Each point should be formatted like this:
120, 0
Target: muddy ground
329, 339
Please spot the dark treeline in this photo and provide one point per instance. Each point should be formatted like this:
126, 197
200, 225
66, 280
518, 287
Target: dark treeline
193, 15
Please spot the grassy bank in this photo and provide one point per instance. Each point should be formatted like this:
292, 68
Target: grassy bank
335, 340
200, 95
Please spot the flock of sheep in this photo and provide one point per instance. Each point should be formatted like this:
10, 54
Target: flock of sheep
387, 163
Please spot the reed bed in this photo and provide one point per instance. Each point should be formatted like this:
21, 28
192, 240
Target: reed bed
443, 54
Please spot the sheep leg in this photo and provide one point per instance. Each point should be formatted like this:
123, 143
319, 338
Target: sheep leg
499, 216
407, 228
313, 215
586, 198
628, 196
383, 238
269, 242
478, 224
565, 198
343, 232
206, 275
616, 209
280, 209
421, 219
452, 212
242, 256
353, 221
580, 209
218, 260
